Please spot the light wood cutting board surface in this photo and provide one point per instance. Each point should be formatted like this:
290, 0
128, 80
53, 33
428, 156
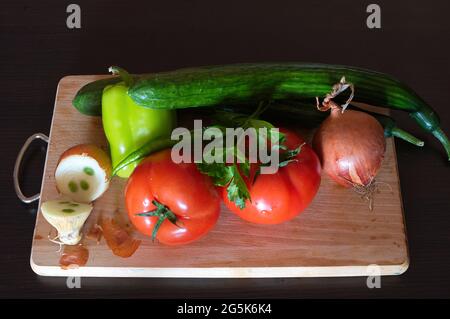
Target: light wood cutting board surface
336, 236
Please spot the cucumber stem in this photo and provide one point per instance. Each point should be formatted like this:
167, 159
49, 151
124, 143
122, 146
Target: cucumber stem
440, 135
399, 133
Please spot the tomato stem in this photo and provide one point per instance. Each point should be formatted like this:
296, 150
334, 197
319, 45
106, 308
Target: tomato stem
162, 212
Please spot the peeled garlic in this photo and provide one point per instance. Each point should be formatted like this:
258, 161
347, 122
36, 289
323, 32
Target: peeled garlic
67, 217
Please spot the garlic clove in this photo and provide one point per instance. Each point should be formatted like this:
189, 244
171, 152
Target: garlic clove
67, 217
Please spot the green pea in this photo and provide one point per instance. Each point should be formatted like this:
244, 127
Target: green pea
68, 210
88, 171
84, 185
73, 186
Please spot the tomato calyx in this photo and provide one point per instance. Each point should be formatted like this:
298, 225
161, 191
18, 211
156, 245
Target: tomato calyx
290, 155
162, 212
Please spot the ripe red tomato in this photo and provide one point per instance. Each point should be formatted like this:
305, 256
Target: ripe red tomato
181, 188
279, 197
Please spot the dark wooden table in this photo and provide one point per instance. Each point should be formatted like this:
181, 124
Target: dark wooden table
37, 49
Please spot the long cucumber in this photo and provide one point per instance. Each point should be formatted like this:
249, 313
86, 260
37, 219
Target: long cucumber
213, 85
250, 83
205, 86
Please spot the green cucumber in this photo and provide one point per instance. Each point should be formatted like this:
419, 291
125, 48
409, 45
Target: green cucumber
206, 86
244, 83
88, 100
250, 83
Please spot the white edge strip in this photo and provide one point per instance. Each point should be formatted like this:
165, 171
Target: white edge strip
217, 272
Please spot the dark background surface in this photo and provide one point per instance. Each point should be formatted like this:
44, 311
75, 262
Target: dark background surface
37, 49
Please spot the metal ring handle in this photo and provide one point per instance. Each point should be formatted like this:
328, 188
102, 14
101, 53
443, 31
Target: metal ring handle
27, 143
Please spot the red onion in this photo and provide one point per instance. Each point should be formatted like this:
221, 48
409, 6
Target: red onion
351, 147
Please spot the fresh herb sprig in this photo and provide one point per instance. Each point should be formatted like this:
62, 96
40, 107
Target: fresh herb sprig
231, 175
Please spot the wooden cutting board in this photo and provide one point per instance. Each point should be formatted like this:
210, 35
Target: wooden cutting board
336, 236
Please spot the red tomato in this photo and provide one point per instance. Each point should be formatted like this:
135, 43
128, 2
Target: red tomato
190, 195
279, 197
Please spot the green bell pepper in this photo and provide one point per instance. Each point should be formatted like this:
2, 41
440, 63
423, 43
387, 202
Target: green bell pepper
128, 126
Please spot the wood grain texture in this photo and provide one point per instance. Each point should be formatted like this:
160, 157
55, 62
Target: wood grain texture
336, 236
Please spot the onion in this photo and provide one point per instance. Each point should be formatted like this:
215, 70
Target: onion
351, 147
83, 173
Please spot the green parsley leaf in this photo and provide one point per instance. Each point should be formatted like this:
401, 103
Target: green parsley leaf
245, 168
219, 172
237, 189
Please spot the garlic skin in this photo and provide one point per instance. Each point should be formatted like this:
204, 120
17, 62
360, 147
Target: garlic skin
67, 217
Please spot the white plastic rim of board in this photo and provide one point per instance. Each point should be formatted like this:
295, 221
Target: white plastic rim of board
219, 272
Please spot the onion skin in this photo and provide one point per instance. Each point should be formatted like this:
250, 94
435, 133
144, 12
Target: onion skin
74, 257
351, 147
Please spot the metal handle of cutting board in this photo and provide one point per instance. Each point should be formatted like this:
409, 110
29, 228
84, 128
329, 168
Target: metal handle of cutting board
22, 197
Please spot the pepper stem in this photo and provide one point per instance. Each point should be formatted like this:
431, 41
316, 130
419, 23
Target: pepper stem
122, 73
399, 133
